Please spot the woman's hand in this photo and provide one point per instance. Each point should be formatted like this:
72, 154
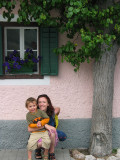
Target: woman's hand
32, 129
57, 110
51, 129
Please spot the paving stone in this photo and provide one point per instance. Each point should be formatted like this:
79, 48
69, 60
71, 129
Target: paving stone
21, 154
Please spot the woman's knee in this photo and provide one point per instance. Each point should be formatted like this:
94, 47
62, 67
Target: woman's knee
52, 135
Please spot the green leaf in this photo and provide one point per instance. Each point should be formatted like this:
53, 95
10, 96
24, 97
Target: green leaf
108, 10
12, 15
4, 4
75, 69
76, 10
70, 9
71, 3
86, 50
42, 16
69, 14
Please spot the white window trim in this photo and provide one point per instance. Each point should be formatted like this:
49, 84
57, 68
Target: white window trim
25, 82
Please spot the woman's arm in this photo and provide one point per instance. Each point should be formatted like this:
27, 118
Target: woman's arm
34, 129
57, 110
50, 128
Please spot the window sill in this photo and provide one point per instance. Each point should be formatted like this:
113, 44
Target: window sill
44, 81
22, 76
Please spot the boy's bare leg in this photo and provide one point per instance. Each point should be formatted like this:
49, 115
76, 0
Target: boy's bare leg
38, 150
46, 152
30, 155
39, 144
45, 156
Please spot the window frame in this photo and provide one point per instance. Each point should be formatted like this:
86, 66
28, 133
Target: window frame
20, 76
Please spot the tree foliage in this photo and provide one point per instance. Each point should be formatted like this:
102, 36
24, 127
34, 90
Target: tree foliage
96, 25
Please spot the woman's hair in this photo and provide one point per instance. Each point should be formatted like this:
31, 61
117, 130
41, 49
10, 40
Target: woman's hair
50, 108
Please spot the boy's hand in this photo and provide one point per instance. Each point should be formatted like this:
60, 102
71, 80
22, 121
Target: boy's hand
39, 123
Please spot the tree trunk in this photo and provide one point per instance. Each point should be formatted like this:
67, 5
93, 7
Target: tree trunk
103, 79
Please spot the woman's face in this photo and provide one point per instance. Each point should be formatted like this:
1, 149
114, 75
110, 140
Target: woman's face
43, 104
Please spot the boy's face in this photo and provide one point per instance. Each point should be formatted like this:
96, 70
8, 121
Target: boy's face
32, 107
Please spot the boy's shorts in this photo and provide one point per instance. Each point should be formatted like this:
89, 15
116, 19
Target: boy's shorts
34, 137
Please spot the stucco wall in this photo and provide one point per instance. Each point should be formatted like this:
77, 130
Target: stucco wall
71, 91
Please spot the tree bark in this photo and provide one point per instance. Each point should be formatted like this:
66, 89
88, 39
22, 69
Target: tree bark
103, 80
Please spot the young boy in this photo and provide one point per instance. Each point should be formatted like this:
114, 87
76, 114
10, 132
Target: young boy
37, 119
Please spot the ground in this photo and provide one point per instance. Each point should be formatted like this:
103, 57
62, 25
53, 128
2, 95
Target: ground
86, 152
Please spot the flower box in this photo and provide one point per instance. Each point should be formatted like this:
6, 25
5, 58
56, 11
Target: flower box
23, 69
15, 65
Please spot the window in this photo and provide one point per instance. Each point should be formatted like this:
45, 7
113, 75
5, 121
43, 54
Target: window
20, 39
42, 41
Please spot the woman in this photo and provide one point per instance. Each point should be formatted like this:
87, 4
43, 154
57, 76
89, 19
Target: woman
44, 104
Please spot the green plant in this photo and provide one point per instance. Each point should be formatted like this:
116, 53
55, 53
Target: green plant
114, 151
13, 61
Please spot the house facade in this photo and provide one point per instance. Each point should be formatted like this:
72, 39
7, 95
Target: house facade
69, 90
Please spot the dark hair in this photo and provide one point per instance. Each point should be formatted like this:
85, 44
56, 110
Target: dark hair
50, 108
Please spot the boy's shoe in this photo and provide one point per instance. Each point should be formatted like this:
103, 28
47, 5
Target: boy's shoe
38, 154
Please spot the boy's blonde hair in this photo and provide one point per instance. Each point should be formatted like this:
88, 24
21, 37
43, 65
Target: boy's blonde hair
30, 100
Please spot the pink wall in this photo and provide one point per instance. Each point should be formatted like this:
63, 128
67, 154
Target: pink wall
72, 92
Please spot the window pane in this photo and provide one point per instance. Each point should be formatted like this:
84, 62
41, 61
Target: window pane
13, 39
30, 39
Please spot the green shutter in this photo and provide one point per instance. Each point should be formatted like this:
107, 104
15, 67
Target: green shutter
53, 56
49, 60
1, 54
